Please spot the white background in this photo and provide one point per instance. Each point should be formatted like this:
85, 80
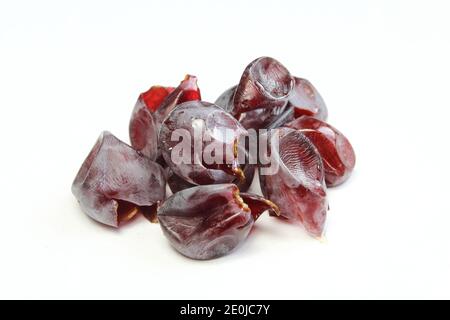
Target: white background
69, 70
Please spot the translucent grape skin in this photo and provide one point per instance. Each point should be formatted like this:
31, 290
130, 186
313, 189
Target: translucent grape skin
214, 120
225, 100
265, 83
150, 110
177, 184
307, 101
298, 187
143, 131
187, 91
336, 151
115, 182
254, 119
206, 222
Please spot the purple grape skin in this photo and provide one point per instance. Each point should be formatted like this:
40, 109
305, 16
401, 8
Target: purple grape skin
143, 130
225, 100
265, 83
335, 149
307, 101
258, 118
177, 183
146, 119
215, 120
115, 177
298, 187
261, 118
206, 222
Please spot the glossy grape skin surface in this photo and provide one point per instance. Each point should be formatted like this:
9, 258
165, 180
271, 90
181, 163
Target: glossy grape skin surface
265, 83
177, 183
335, 149
187, 91
206, 222
255, 119
307, 101
150, 110
115, 182
225, 100
154, 96
298, 187
143, 131
214, 121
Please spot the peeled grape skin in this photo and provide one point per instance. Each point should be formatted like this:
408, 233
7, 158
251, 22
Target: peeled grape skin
153, 97
150, 110
261, 118
336, 151
143, 131
215, 121
254, 119
177, 184
187, 91
115, 182
265, 83
298, 187
225, 100
206, 222
307, 101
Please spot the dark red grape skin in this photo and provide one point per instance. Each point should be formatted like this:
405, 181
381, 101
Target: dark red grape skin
225, 100
280, 120
298, 187
206, 222
143, 131
115, 182
307, 101
177, 184
214, 121
249, 173
150, 110
187, 91
254, 119
336, 151
155, 96
265, 83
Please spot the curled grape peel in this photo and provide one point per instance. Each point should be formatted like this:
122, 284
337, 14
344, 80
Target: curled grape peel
186, 91
260, 118
208, 125
209, 213
206, 222
336, 151
115, 182
307, 101
225, 100
150, 110
265, 83
177, 183
143, 131
298, 186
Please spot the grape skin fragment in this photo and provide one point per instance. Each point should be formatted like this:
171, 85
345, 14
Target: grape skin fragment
115, 182
206, 222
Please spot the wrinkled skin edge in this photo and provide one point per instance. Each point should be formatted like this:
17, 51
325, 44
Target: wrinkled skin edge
311, 190
226, 173
146, 119
251, 94
245, 203
334, 144
120, 210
